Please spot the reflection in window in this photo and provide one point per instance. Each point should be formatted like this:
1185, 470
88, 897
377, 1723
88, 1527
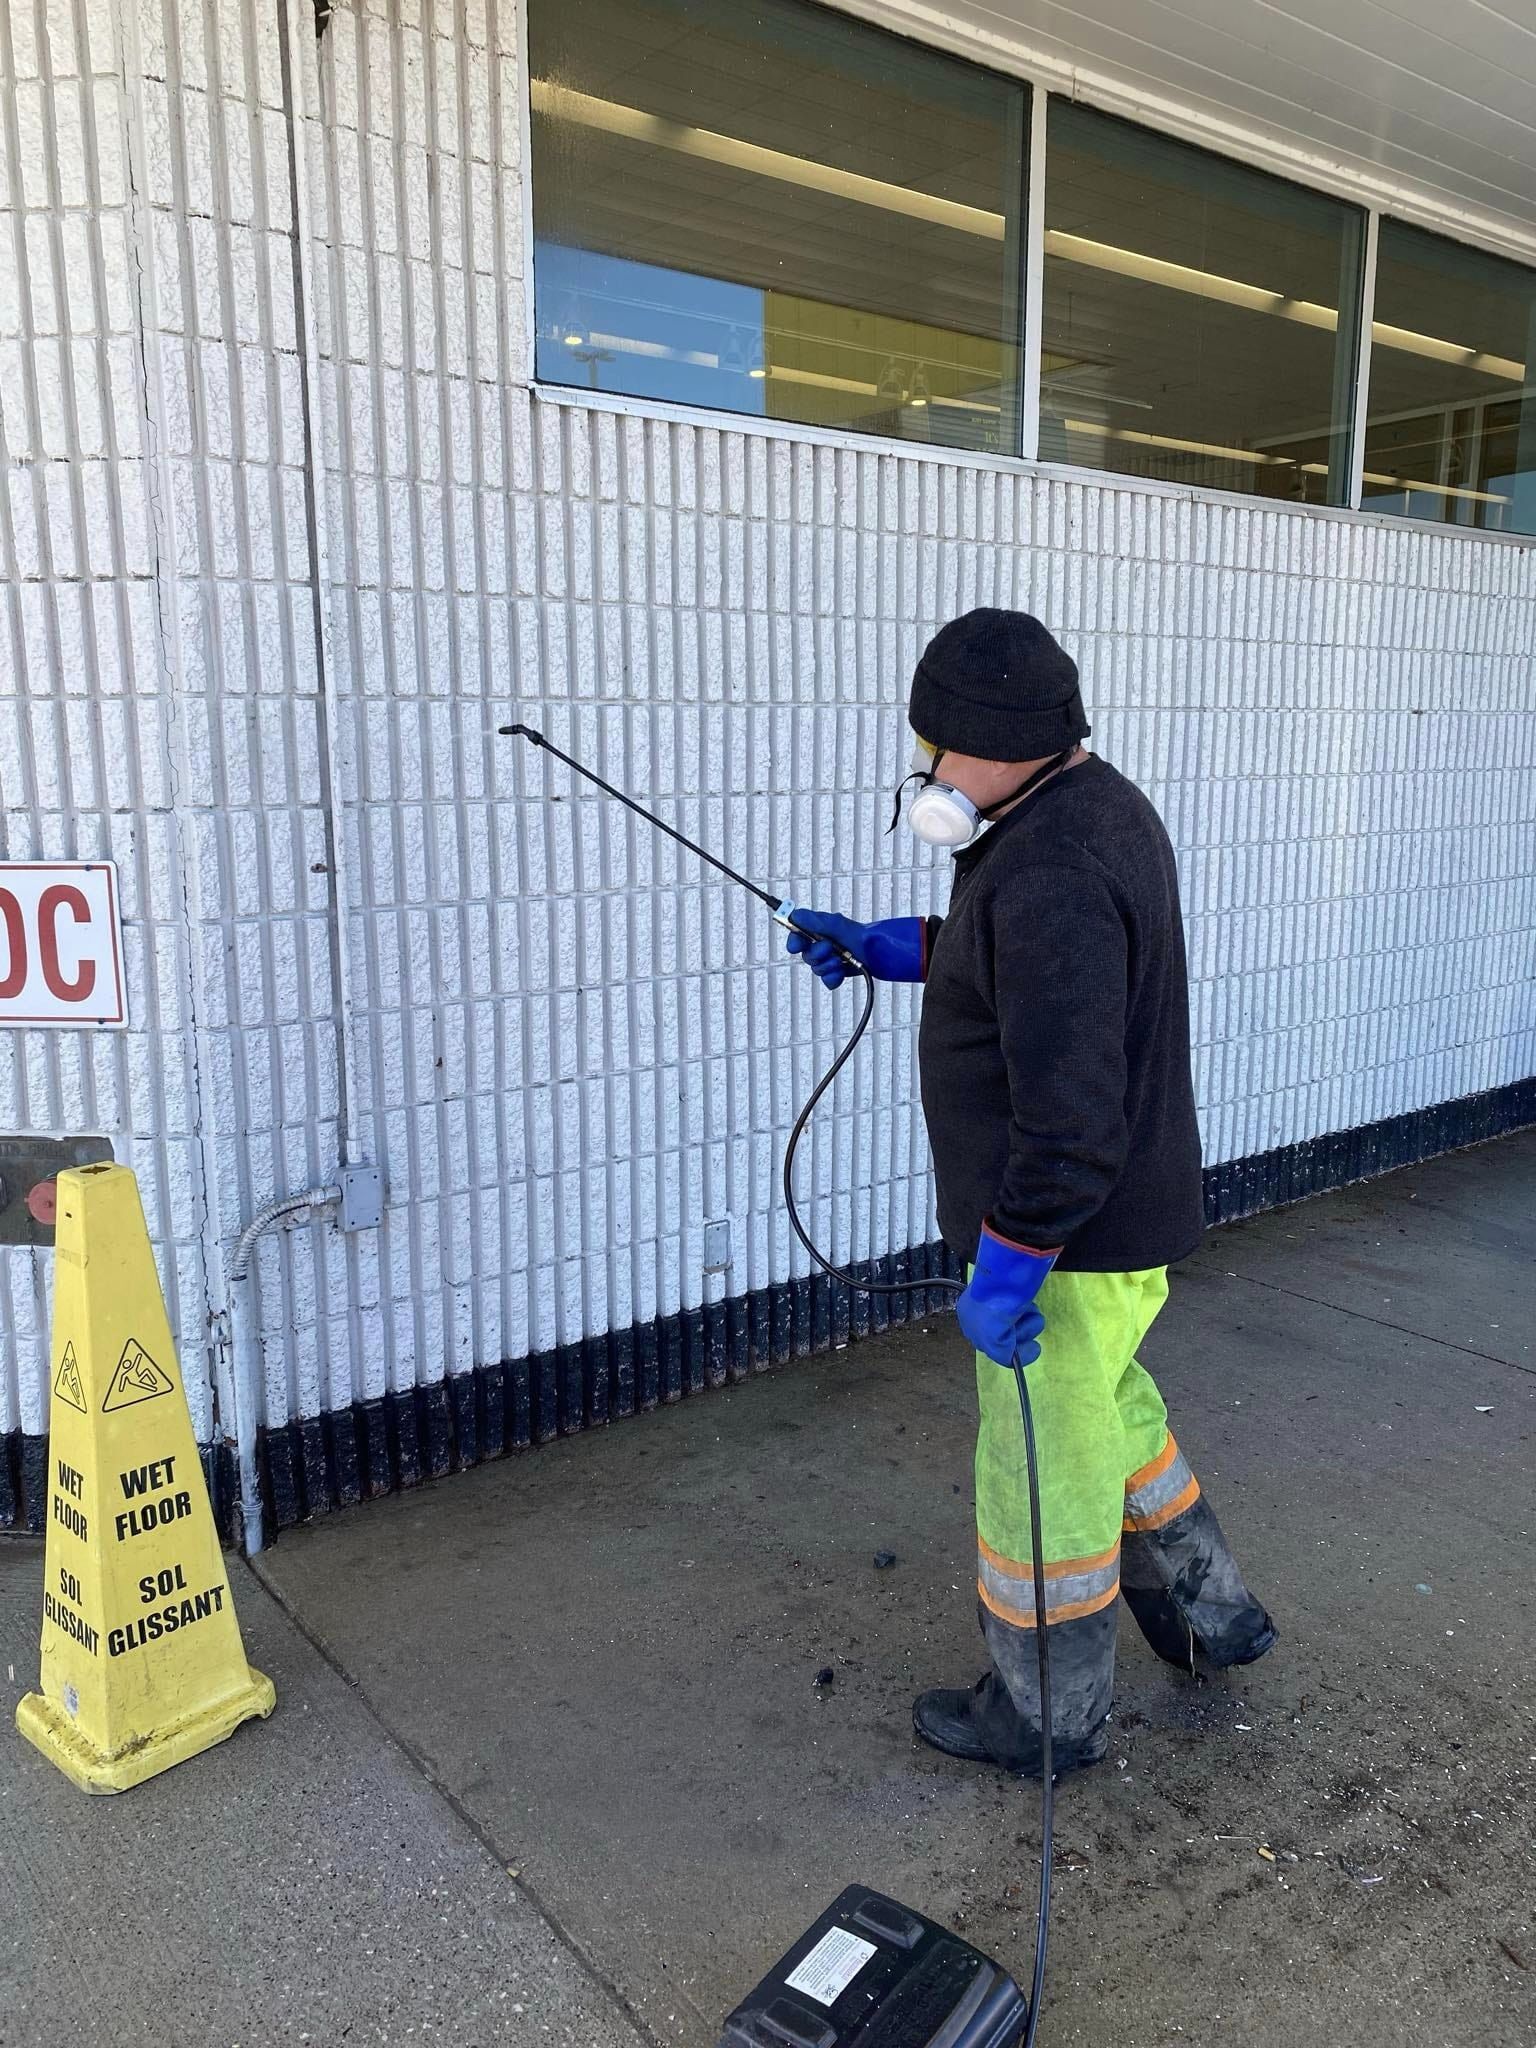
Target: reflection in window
774, 209
619, 326
1191, 323
1451, 425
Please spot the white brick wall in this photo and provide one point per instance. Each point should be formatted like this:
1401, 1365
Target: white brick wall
87, 697
417, 209
566, 1047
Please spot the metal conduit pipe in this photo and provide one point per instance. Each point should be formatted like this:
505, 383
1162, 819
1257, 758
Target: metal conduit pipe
245, 1366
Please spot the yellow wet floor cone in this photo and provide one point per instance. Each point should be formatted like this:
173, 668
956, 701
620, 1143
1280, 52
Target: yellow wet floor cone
143, 1665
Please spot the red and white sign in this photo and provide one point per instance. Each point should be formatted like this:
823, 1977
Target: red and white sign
61, 943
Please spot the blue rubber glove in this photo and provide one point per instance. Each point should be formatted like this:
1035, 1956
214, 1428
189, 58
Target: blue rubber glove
896, 949
997, 1311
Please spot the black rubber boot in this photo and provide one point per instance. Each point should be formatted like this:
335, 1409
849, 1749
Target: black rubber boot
946, 1719
983, 1726
1182, 1585
998, 1721
1157, 1616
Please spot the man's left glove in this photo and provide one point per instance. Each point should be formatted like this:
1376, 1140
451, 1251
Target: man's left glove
997, 1311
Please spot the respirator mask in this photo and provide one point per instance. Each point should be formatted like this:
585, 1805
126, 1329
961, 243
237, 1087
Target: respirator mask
941, 815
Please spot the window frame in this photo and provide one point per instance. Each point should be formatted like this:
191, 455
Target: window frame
1346, 354
1029, 98
1363, 359
1387, 220
1042, 86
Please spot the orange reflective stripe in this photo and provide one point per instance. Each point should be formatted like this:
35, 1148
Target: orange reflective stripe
1160, 1491
1072, 1586
1156, 1469
1184, 1499
1024, 1617
1066, 1567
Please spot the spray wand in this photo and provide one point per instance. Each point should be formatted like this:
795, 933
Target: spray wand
782, 909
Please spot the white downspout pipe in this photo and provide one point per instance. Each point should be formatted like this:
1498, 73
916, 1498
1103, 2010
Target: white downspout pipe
241, 1320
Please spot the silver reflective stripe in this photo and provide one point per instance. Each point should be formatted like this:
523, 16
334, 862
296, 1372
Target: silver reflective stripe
1011, 1594
1151, 1502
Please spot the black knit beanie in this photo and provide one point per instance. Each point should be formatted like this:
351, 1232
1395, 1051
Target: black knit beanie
997, 685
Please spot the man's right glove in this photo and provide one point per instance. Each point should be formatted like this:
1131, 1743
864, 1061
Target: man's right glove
896, 949
997, 1311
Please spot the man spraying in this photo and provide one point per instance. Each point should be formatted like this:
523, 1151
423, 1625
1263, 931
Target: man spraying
1055, 1064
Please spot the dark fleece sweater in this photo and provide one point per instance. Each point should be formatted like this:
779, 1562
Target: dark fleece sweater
1054, 1047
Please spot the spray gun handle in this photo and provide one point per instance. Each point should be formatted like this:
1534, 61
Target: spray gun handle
785, 915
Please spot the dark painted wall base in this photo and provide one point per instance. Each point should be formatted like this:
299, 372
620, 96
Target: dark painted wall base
310, 1466
1269, 1180
24, 1482
333, 1460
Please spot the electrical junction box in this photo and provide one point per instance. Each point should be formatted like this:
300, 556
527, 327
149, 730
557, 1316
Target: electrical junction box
362, 1197
871, 1973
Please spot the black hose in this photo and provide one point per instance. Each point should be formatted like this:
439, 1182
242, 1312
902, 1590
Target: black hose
1031, 1464
1043, 1653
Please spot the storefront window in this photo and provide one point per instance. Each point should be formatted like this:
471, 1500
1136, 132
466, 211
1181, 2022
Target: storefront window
1451, 426
780, 211
1200, 318
776, 210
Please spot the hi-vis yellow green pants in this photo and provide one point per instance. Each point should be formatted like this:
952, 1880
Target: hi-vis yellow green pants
1120, 1509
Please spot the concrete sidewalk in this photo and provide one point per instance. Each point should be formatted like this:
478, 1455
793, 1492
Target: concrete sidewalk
301, 1883
608, 1652
601, 1659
